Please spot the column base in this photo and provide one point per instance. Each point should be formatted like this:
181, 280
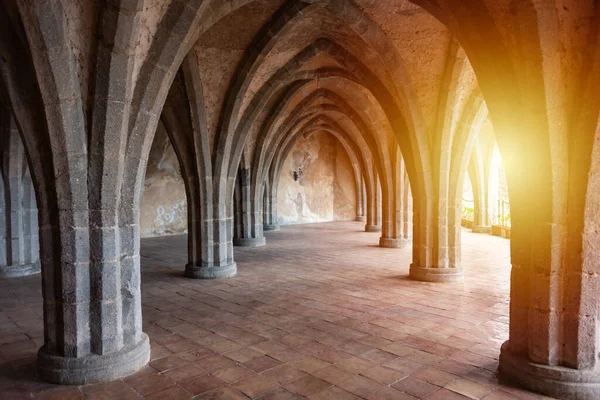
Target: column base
558, 382
425, 274
392, 243
249, 242
13, 271
271, 227
372, 228
205, 272
360, 218
482, 229
93, 368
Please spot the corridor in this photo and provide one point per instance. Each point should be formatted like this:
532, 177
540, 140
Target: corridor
322, 312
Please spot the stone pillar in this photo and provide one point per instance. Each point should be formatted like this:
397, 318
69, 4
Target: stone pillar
270, 222
78, 144
248, 222
436, 238
19, 248
398, 238
480, 183
554, 329
210, 198
374, 207
216, 238
360, 199
408, 209
92, 298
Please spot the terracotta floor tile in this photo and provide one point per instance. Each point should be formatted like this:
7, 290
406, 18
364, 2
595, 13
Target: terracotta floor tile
243, 355
388, 393
233, 374
284, 374
361, 386
261, 364
158, 351
181, 346
375, 341
415, 387
222, 393
171, 393
355, 364
215, 363
468, 388
167, 363
333, 393
151, 383
333, 375
293, 340
203, 384
147, 370
287, 355
424, 357
399, 349
278, 394
378, 356
499, 395
307, 386
383, 375
435, 376
310, 364
185, 373
197, 354
110, 391
403, 365
444, 394
454, 367
268, 346
11, 392
256, 385
66, 393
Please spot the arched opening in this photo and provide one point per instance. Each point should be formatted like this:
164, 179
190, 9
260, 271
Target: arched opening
164, 205
418, 94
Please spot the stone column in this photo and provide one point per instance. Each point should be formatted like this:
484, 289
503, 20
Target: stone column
248, 222
374, 207
216, 236
436, 250
271, 223
210, 199
397, 238
360, 199
408, 209
480, 183
19, 248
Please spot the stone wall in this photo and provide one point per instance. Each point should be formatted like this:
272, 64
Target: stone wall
326, 190
164, 206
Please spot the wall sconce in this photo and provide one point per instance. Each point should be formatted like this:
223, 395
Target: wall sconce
297, 174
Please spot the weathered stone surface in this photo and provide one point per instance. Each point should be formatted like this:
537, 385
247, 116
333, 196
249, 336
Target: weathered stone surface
414, 91
93, 368
372, 228
164, 205
441, 275
211, 272
325, 191
19, 234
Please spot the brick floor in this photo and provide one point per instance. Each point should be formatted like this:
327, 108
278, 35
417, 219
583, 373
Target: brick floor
320, 311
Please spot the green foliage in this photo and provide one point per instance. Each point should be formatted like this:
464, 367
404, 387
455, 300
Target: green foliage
468, 213
504, 219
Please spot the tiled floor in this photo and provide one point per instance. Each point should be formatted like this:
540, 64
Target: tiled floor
320, 312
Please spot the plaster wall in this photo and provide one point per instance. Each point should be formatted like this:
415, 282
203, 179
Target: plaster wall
326, 190
164, 205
